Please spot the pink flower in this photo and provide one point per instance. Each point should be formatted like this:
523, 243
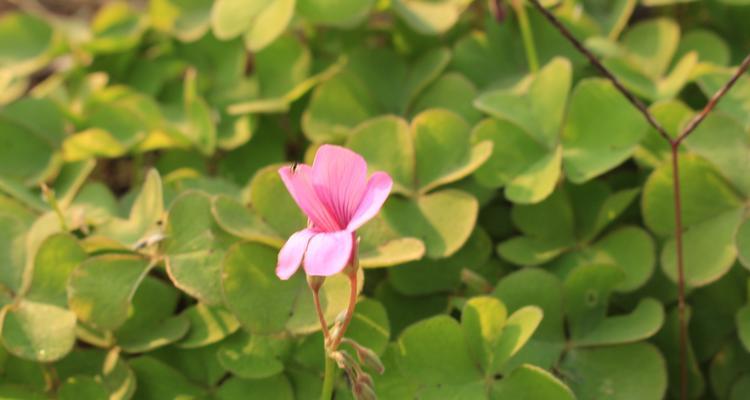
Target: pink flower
337, 198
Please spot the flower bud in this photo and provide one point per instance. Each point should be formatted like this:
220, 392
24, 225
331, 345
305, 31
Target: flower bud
367, 357
363, 391
344, 360
365, 379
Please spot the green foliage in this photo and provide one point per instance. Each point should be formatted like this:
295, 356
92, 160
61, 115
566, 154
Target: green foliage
527, 250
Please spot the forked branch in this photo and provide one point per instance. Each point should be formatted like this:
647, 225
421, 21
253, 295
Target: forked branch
674, 144
602, 69
690, 127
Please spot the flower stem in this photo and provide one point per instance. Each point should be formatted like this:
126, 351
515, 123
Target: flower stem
349, 310
526, 35
680, 271
321, 316
328, 379
333, 343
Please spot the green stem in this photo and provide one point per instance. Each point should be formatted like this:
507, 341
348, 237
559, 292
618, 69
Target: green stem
328, 379
526, 35
330, 371
332, 343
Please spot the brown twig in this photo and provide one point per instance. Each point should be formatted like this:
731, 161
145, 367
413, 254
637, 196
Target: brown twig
680, 270
675, 145
690, 127
602, 69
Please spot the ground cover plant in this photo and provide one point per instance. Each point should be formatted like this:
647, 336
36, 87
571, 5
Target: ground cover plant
511, 230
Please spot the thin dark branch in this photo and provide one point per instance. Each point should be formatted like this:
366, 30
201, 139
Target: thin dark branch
675, 145
690, 127
680, 271
604, 71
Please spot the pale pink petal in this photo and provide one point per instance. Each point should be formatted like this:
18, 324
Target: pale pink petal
339, 176
298, 182
378, 188
291, 254
328, 253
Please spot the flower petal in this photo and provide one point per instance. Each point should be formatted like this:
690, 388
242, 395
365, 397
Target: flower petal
378, 188
298, 182
328, 253
291, 254
340, 178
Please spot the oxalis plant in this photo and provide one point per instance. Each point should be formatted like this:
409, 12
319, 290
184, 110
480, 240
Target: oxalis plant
489, 200
338, 199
